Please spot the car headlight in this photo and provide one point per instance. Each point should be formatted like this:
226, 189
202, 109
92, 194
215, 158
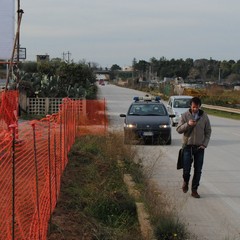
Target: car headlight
164, 126
130, 125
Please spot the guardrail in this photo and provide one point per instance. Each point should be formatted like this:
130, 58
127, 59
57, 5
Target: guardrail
219, 108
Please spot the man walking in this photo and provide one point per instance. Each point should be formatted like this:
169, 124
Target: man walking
196, 129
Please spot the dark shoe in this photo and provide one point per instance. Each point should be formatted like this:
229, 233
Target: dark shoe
195, 194
185, 187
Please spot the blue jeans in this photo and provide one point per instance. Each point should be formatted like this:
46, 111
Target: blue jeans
192, 154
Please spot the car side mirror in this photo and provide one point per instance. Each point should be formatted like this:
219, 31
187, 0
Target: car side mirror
122, 115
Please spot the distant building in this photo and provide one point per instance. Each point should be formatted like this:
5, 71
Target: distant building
102, 75
43, 58
127, 69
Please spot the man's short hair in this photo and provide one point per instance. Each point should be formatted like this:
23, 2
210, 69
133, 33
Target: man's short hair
196, 100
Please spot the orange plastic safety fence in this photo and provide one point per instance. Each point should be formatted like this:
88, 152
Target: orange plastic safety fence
31, 166
92, 118
5, 185
8, 108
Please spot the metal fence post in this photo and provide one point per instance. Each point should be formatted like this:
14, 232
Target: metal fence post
13, 129
75, 122
64, 131
33, 123
50, 169
105, 117
55, 161
61, 167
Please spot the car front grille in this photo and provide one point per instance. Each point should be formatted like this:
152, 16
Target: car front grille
148, 126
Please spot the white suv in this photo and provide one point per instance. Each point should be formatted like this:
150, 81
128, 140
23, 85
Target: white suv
178, 105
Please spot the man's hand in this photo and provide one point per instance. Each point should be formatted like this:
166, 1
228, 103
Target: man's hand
192, 122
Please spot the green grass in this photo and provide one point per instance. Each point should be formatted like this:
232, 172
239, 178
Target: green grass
222, 114
170, 228
94, 201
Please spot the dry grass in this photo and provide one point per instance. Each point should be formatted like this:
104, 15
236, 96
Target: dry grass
164, 214
94, 202
162, 206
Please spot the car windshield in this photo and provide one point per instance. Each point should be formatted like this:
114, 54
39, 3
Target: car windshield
181, 103
147, 110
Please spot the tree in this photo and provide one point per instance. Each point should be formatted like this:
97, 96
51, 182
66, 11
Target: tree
60, 79
154, 63
142, 67
202, 67
233, 78
134, 63
225, 68
30, 67
193, 74
115, 67
236, 67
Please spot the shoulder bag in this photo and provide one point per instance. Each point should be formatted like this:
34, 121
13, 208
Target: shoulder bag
180, 152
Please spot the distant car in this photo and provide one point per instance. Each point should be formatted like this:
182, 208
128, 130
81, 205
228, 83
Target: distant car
177, 105
101, 82
147, 119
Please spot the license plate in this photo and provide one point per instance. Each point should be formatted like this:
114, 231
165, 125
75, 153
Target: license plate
147, 133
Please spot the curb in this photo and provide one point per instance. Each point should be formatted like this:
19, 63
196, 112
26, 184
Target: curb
143, 216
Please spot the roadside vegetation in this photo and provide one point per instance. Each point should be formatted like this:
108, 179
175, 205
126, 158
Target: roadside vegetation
94, 202
56, 79
191, 70
222, 114
213, 96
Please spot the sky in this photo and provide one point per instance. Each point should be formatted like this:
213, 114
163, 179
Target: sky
110, 32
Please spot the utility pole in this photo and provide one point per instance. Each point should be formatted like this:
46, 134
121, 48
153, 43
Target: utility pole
18, 33
15, 46
19, 15
68, 56
219, 75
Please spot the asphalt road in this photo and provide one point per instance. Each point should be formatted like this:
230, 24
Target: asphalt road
216, 215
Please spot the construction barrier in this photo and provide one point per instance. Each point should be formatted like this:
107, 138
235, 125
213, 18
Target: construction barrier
33, 156
91, 117
8, 108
